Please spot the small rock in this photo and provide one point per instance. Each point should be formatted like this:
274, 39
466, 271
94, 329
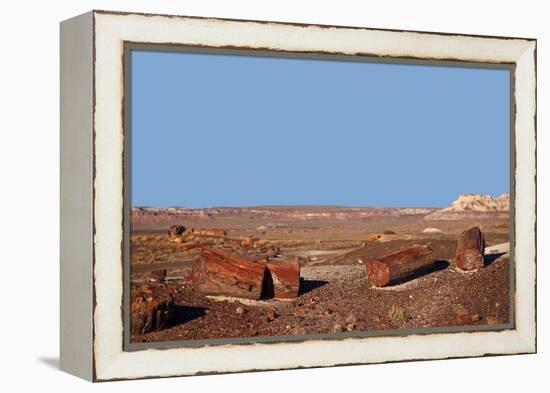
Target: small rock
271, 315
469, 319
239, 310
350, 319
432, 230
157, 275
299, 331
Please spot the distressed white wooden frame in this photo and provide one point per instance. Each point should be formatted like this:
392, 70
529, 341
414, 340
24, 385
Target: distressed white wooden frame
95, 351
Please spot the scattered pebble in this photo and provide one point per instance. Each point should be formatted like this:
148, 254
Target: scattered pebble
239, 310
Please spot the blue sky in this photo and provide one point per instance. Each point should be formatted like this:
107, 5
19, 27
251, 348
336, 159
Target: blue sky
228, 130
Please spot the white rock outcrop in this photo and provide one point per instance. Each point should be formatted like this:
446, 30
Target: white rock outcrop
474, 205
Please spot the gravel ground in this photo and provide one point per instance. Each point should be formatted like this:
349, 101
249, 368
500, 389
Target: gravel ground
338, 298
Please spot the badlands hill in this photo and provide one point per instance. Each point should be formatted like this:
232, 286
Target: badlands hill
474, 206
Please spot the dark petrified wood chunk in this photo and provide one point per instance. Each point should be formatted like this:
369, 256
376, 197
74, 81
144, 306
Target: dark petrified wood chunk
470, 250
389, 268
151, 309
175, 230
282, 279
216, 272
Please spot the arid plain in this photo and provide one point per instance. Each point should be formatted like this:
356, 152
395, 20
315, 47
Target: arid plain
331, 247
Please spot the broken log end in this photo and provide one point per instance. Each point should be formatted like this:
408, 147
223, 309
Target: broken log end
378, 273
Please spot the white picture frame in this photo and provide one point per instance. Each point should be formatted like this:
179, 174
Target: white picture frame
92, 193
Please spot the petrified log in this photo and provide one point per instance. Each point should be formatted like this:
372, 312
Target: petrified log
470, 250
249, 242
216, 272
211, 232
358, 253
151, 309
389, 268
282, 280
190, 246
176, 230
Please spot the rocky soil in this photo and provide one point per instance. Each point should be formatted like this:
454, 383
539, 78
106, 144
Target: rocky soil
340, 299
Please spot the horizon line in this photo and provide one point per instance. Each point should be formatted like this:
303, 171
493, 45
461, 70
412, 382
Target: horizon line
268, 206
317, 205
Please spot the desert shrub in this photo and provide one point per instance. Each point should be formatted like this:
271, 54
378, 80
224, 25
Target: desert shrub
491, 320
396, 313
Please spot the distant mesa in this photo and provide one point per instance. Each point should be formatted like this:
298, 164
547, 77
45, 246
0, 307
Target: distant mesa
466, 206
474, 206
273, 213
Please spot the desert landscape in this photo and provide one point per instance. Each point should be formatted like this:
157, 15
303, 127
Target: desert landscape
239, 272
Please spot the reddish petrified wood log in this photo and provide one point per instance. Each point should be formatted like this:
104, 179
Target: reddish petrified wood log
190, 246
212, 232
282, 280
151, 309
384, 270
470, 250
216, 272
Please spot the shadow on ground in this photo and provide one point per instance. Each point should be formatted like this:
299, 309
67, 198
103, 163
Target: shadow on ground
184, 314
52, 362
309, 285
491, 258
